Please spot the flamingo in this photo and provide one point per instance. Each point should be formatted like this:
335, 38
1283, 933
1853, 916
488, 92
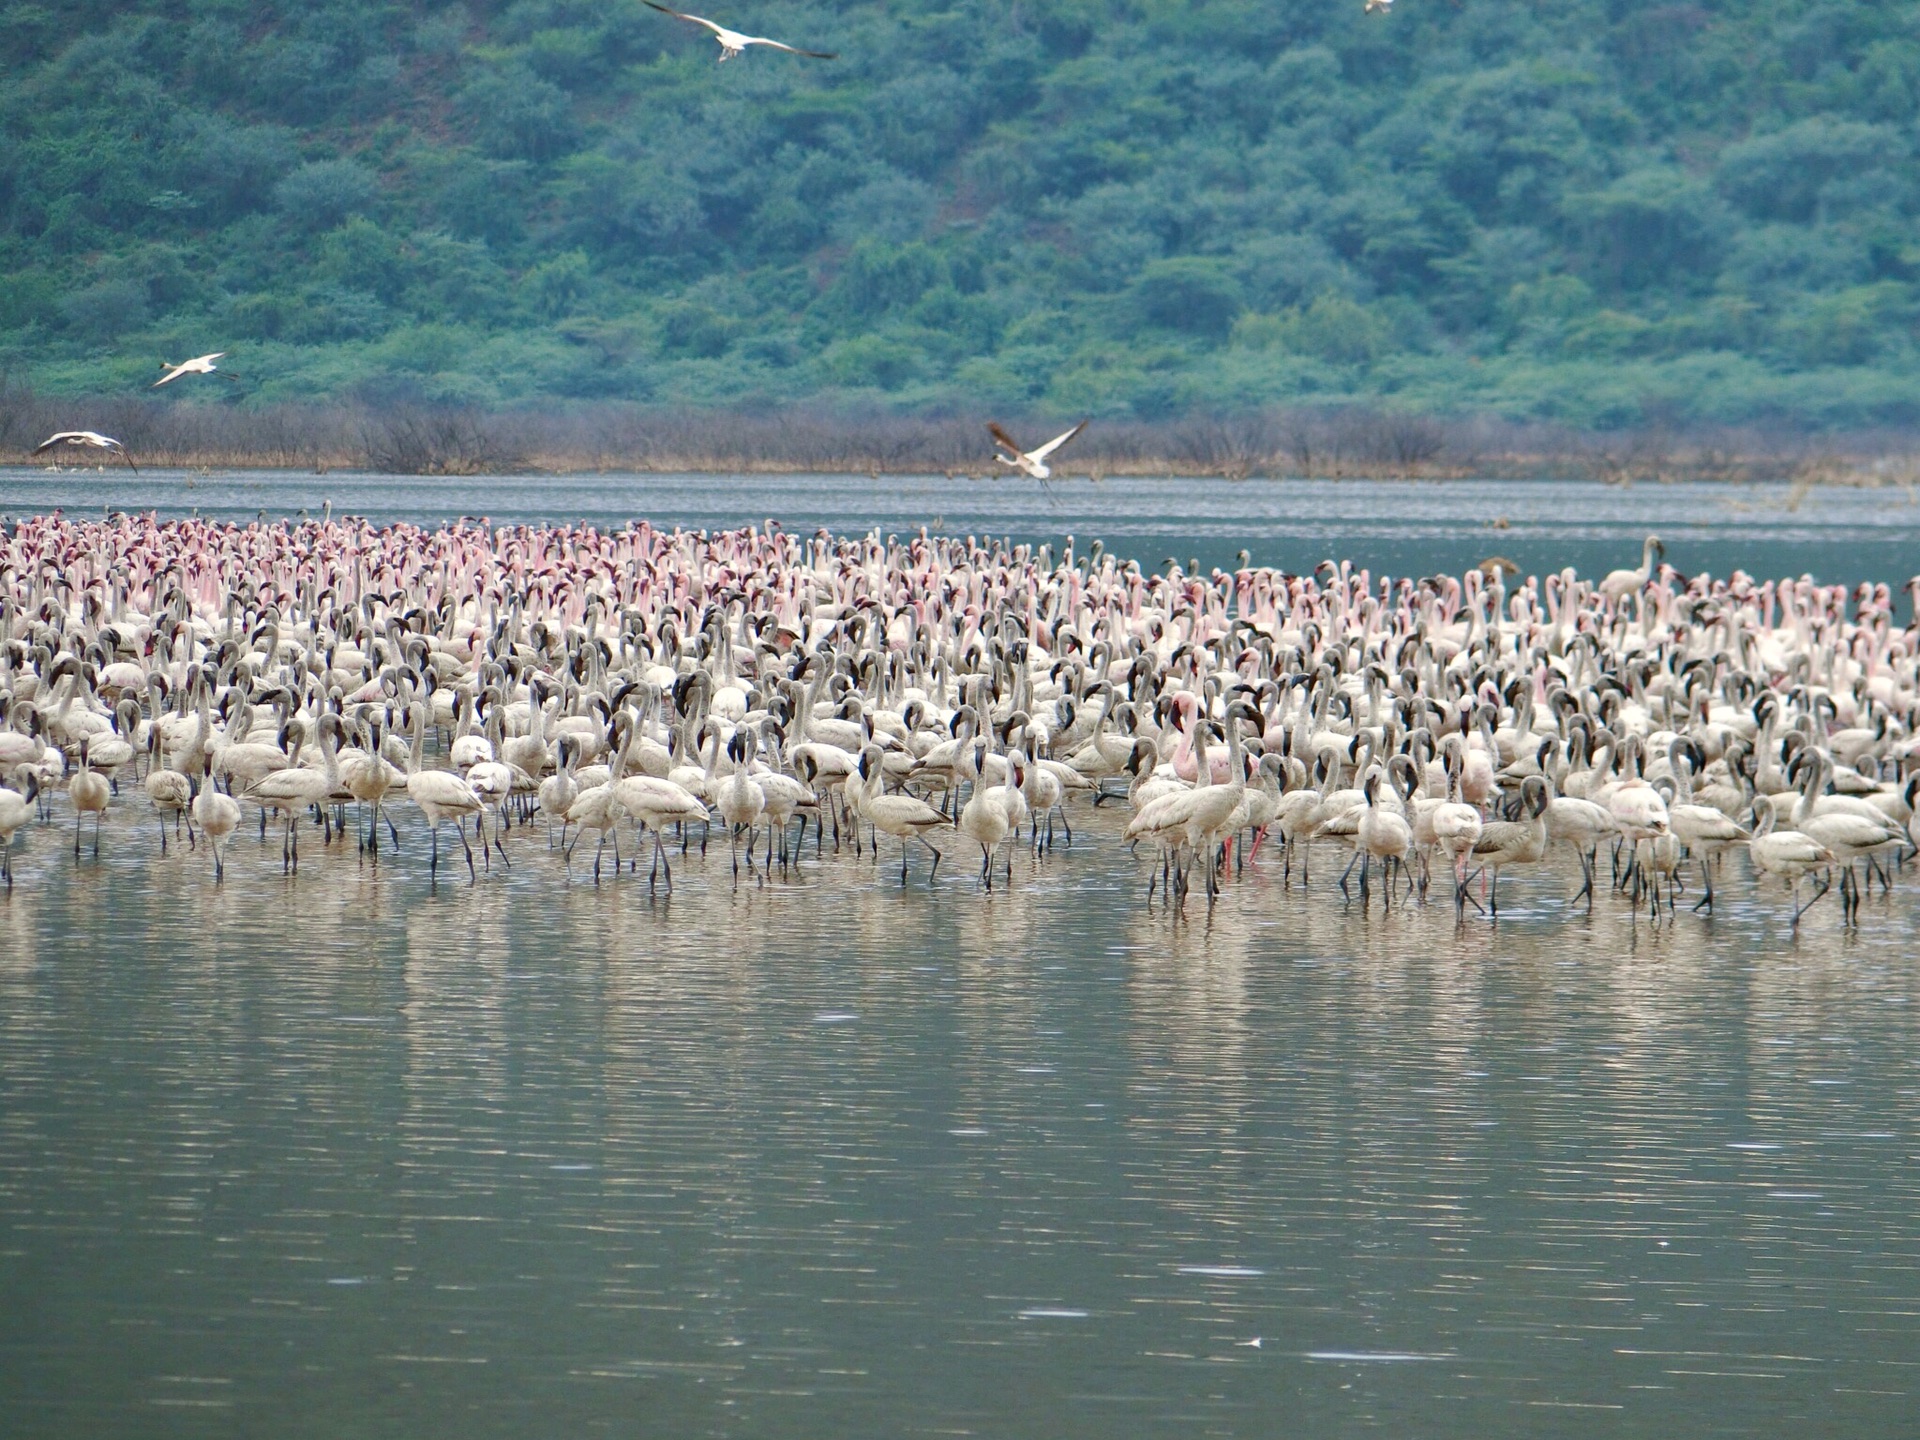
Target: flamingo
1621, 583
16, 808
903, 817
440, 795
217, 815
1505, 843
294, 789
168, 791
559, 790
1786, 853
1456, 830
733, 43
369, 779
1031, 462
199, 365
987, 817
655, 804
86, 439
740, 801
91, 794
1384, 834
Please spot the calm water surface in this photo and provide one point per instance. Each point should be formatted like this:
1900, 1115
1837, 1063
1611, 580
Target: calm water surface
349, 1154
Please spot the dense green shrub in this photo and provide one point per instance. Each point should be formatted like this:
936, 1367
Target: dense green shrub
1596, 210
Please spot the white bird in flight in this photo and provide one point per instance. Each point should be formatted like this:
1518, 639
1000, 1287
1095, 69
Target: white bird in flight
199, 365
1033, 462
732, 42
1381, 5
90, 438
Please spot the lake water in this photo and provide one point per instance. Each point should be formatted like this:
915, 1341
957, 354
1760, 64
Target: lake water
353, 1154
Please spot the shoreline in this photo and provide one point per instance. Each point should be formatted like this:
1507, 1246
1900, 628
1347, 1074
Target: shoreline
1852, 473
609, 437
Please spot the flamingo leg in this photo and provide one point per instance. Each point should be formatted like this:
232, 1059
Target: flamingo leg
1586, 881
1818, 894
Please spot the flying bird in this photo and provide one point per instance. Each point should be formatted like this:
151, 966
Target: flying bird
91, 438
200, 365
1033, 462
732, 42
1380, 5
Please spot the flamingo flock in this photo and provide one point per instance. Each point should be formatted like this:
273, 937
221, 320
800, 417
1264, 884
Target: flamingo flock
642, 690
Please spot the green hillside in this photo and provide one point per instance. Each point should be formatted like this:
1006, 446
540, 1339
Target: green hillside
1599, 211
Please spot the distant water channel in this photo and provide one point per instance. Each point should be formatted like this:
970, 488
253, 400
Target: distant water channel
352, 1155
1395, 527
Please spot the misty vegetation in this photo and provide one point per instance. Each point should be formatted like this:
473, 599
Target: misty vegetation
1597, 214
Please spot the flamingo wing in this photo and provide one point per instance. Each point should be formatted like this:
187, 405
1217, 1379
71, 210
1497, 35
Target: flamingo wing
993, 429
1057, 441
696, 19
793, 49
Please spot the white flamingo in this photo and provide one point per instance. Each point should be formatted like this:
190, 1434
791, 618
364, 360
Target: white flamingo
218, 816
1032, 462
199, 365
168, 791
987, 817
16, 809
90, 793
904, 817
86, 439
1789, 854
1621, 583
1384, 834
1514, 842
440, 795
740, 800
732, 42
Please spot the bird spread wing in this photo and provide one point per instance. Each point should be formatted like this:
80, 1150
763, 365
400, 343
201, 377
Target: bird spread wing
1057, 441
1000, 436
794, 49
682, 15
174, 372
